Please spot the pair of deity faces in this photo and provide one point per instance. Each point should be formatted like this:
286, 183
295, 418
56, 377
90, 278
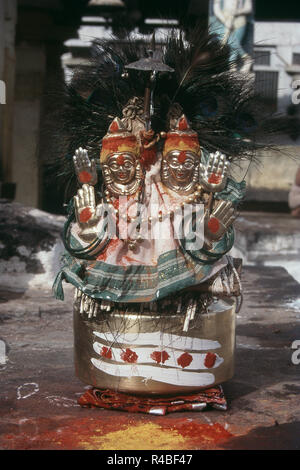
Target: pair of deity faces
121, 159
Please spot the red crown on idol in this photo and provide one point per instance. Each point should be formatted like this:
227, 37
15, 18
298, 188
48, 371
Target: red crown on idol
117, 140
182, 138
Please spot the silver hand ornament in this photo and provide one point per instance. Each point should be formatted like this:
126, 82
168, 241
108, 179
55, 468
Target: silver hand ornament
213, 174
217, 224
85, 211
85, 168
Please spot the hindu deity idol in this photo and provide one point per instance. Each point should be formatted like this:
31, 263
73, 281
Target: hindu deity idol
150, 229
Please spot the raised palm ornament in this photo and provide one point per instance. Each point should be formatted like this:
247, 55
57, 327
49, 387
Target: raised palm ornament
85, 168
86, 213
218, 223
213, 174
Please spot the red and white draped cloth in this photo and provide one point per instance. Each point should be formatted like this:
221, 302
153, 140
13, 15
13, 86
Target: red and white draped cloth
157, 268
111, 400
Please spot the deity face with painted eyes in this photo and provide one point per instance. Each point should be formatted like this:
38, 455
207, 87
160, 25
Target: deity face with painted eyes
122, 173
122, 167
182, 165
119, 160
181, 158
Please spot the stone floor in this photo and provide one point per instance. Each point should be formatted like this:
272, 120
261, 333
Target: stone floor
39, 390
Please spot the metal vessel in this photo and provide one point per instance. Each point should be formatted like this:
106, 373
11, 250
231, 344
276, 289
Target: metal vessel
148, 354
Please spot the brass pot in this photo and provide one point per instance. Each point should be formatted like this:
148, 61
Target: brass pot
150, 354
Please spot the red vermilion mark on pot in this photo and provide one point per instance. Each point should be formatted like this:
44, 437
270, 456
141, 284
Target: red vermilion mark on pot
184, 360
213, 224
106, 352
129, 356
84, 177
214, 178
87, 432
74, 433
210, 360
85, 215
164, 356
160, 356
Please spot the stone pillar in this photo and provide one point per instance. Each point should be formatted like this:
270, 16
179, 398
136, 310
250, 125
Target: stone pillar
29, 89
8, 17
2, 38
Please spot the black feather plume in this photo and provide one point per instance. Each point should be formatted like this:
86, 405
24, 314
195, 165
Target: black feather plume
218, 100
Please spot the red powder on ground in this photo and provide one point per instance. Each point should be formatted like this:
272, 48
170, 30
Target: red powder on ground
213, 224
129, 356
41, 433
160, 356
214, 178
85, 215
106, 352
201, 435
210, 360
184, 360
84, 177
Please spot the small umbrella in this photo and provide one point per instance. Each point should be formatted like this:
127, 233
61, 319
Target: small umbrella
153, 64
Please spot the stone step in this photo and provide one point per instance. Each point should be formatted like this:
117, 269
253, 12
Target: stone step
262, 236
268, 239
